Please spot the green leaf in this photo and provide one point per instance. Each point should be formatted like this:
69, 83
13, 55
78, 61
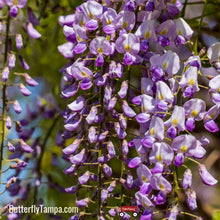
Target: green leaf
216, 215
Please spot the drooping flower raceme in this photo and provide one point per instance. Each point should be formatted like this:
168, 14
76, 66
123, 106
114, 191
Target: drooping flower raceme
131, 89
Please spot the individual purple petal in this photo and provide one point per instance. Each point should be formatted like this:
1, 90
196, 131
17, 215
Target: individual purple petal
92, 25
70, 170
179, 40
128, 111
120, 131
82, 203
163, 41
190, 124
136, 100
179, 159
11, 61
173, 213
148, 141
84, 178
13, 11
92, 114
78, 104
158, 168
17, 107
92, 137
19, 41
10, 147
107, 169
5, 74
182, 28
111, 104
143, 200
26, 148
104, 195
80, 48
23, 62
187, 179
24, 90
109, 29
158, 182
66, 50
31, 17
8, 122
32, 32
171, 132
191, 199
122, 122
78, 158
21, 3
125, 148
100, 80
70, 190
30, 81
135, 162
145, 188
147, 215
211, 126
92, 9
99, 60
130, 5
111, 149
207, 178
67, 20
72, 147
112, 212
161, 198
144, 46
128, 59
108, 93
150, 6
86, 84
123, 91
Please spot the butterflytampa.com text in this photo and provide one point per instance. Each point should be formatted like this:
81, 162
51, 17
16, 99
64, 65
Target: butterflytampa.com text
41, 209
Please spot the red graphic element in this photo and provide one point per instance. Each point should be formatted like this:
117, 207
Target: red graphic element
128, 209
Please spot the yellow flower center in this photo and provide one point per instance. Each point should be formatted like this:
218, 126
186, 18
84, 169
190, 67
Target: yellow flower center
162, 187
144, 178
147, 34
175, 122
84, 74
163, 32
179, 32
159, 158
160, 97
194, 113
15, 2
127, 47
165, 65
125, 25
191, 82
152, 132
183, 148
100, 50
109, 21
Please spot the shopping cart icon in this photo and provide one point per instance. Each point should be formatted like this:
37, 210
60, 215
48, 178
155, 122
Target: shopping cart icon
133, 209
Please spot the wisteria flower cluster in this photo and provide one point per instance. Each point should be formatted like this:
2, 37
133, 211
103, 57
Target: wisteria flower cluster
11, 82
107, 44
